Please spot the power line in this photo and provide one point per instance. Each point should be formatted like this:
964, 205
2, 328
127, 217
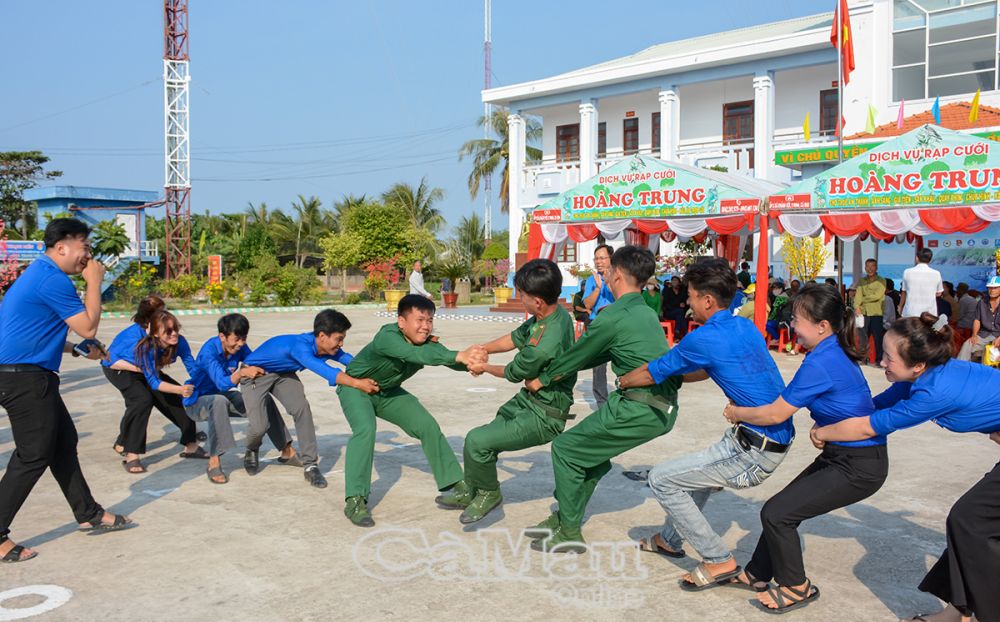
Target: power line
79, 106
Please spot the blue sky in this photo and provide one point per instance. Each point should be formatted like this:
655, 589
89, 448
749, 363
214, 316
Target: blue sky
306, 97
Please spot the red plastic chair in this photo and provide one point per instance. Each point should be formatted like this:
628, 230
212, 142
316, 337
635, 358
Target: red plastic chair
784, 339
871, 350
693, 325
668, 331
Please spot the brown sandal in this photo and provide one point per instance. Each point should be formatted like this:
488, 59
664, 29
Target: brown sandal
652, 545
133, 467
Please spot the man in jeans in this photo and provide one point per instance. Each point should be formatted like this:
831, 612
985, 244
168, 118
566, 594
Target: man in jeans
869, 303
730, 351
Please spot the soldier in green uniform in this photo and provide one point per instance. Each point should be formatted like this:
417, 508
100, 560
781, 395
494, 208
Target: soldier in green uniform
527, 419
626, 333
398, 351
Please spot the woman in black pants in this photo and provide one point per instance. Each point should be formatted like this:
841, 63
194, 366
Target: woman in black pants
121, 371
830, 384
930, 385
674, 306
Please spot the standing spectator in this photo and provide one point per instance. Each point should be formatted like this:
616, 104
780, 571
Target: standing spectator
869, 303
920, 288
675, 305
417, 282
596, 296
35, 317
889, 305
652, 295
743, 276
950, 302
986, 325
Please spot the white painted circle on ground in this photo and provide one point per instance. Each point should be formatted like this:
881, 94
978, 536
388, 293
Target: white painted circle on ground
55, 596
480, 390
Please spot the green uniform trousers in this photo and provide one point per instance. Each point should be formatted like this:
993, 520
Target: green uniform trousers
519, 424
582, 456
400, 408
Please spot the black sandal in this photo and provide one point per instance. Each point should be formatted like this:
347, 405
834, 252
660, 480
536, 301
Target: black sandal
785, 604
217, 472
753, 584
97, 526
14, 555
199, 454
130, 465
652, 545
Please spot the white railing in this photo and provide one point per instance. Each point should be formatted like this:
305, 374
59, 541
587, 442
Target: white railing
149, 248
735, 157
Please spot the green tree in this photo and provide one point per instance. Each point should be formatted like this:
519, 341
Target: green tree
110, 239
20, 171
492, 154
255, 245
468, 242
418, 202
379, 228
309, 223
345, 204
340, 252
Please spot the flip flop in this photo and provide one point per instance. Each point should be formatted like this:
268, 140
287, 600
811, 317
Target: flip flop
786, 604
705, 580
199, 454
13, 556
651, 545
98, 527
130, 466
637, 476
216, 472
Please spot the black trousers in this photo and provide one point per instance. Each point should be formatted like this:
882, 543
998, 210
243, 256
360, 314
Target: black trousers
44, 438
968, 573
875, 327
140, 399
837, 478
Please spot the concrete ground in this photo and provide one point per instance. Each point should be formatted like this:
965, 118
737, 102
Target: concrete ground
272, 548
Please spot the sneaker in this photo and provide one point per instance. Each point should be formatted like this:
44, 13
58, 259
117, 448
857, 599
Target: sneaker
562, 540
458, 498
484, 502
356, 509
314, 477
543, 529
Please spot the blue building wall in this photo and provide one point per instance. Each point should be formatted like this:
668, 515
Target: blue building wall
55, 200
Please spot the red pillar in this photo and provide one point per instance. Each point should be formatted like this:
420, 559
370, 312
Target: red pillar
761, 291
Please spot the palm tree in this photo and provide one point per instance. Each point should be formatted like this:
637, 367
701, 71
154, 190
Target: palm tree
341, 207
258, 214
489, 154
419, 203
468, 242
305, 227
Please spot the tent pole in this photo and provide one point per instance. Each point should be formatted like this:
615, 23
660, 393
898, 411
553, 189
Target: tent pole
840, 264
761, 291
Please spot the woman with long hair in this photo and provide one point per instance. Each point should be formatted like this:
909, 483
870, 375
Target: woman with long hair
831, 385
930, 385
123, 372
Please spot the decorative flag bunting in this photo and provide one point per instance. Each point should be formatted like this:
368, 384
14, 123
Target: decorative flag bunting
974, 113
805, 127
841, 16
899, 117
870, 124
936, 110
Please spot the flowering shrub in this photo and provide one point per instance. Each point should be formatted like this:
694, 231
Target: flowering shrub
223, 291
673, 264
138, 280
805, 257
501, 270
184, 286
9, 266
381, 275
580, 270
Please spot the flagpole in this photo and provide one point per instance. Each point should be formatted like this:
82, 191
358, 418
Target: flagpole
839, 18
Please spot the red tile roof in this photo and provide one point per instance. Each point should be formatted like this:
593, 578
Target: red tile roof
954, 116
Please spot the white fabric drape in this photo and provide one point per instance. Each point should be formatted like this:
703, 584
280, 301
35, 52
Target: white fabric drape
553, 232
611, 229
896, 221
801, 225
687, 227
987, 212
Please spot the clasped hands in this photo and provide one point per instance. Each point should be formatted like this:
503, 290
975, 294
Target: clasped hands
475, 358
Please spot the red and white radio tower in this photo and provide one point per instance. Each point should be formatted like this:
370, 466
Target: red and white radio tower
176, 137
487, 110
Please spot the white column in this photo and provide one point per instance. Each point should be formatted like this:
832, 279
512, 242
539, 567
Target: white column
588, 139
515, 132
670, 130
763, 124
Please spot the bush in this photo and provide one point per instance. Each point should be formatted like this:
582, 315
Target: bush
223, 291
353, 299
287, 285
185, 286
136, 281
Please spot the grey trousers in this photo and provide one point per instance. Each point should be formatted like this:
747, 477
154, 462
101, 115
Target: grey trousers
216, 409
287, 389
600, 376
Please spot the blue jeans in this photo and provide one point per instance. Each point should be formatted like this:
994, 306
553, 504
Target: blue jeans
683, 485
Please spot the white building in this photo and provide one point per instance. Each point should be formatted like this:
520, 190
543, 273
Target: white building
739, 98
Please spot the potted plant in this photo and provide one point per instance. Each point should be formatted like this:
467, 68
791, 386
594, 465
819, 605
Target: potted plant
453, 271
384, 276
501, 269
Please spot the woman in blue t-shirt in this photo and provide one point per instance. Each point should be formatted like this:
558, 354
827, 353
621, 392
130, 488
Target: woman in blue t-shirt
122, 371
929, 385
830, 384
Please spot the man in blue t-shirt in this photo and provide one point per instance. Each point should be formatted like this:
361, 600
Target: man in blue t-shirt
732, 352
596, 296
219, 369
280, 358
35, 316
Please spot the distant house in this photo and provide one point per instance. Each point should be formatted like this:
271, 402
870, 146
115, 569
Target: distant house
93, 205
